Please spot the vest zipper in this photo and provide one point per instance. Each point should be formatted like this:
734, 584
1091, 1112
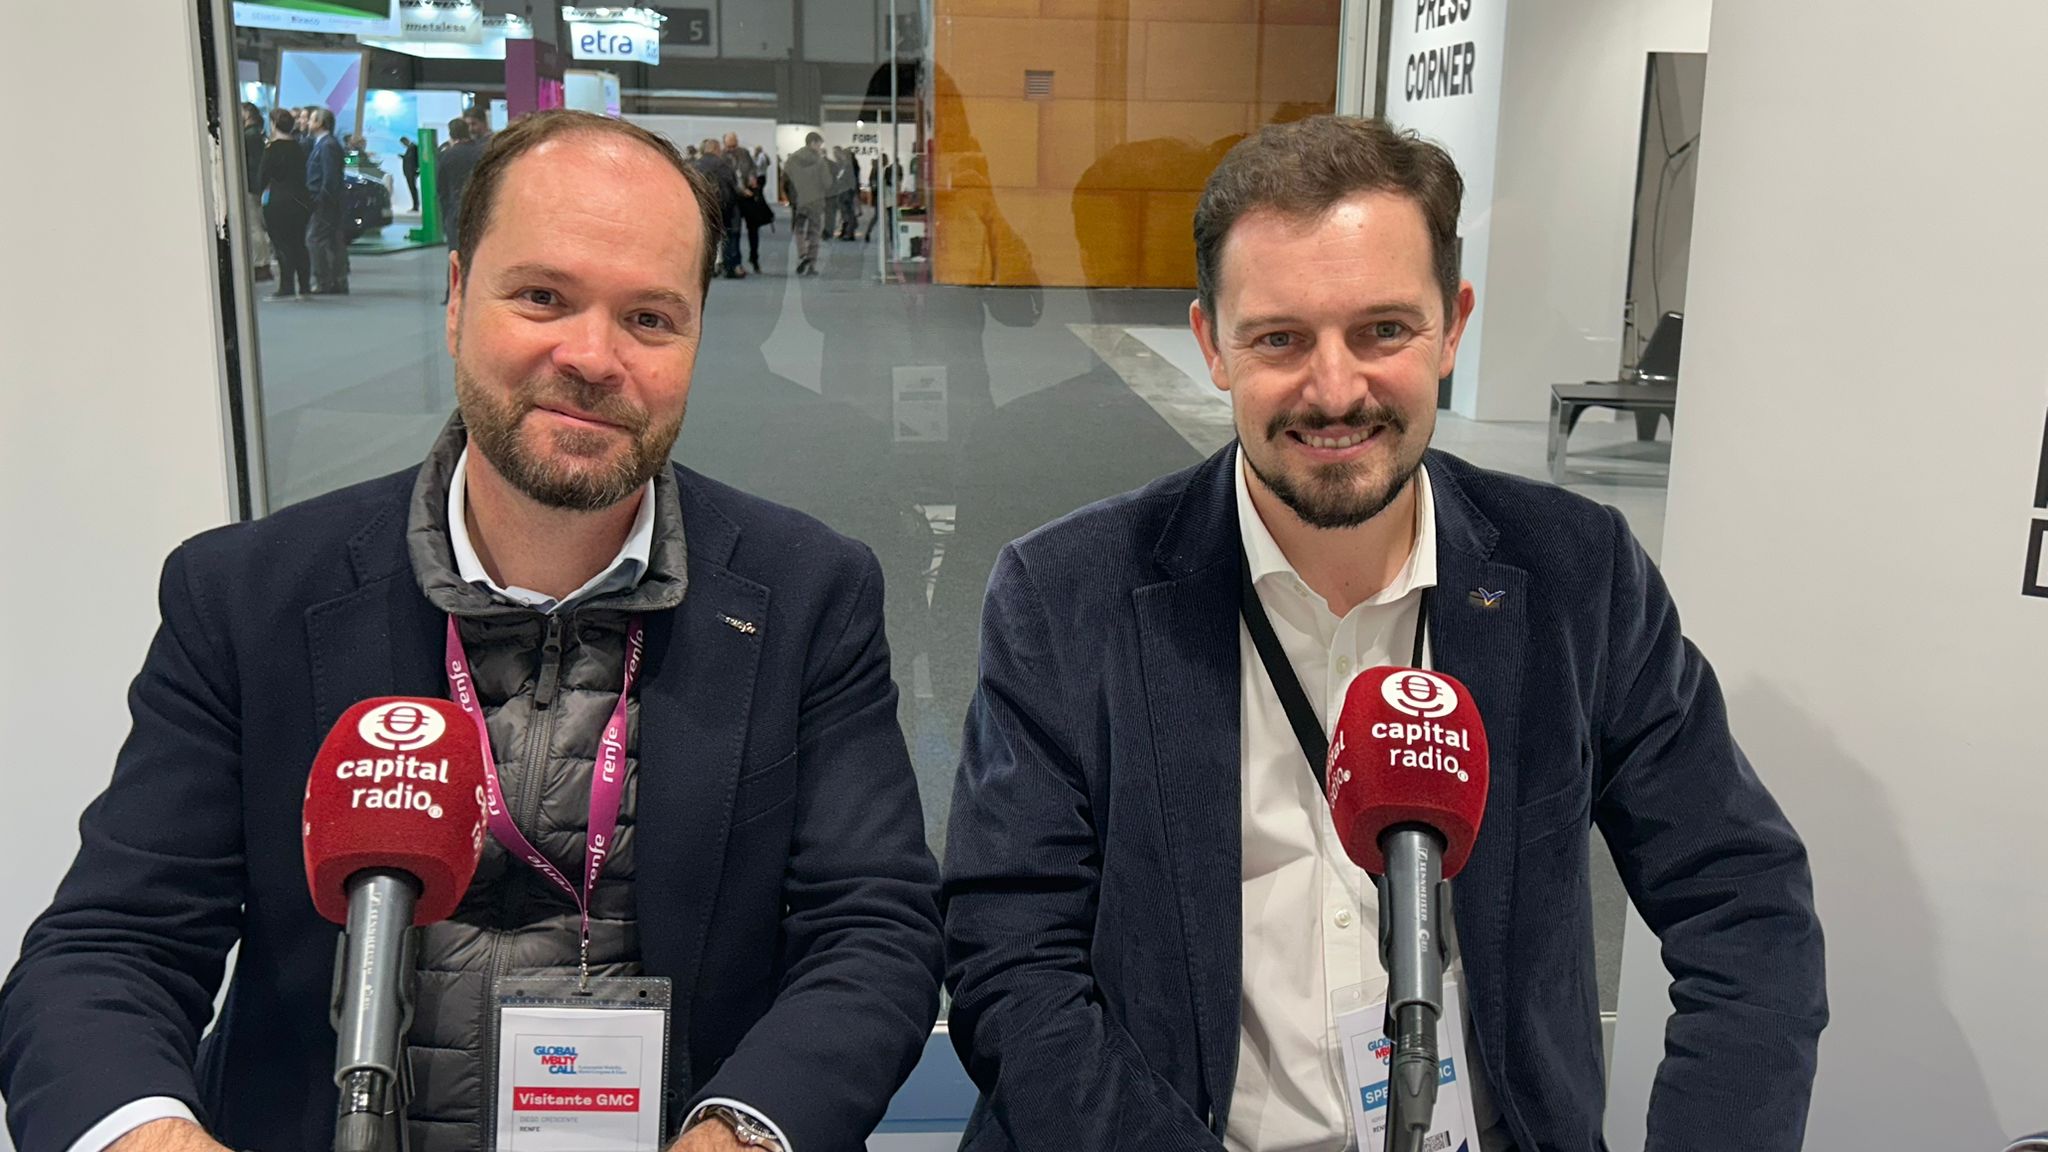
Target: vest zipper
540, 728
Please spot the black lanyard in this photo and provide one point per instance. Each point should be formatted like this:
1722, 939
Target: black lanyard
1301, 715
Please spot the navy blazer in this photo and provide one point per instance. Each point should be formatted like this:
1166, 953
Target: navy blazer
325, 162
1092, 874
783, 880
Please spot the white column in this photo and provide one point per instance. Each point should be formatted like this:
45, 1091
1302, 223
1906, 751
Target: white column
111, 444
1852, 498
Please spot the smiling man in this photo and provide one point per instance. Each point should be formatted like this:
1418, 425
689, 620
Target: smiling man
769, 863
1151, 924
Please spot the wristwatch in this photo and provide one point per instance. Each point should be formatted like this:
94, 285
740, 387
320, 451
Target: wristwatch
745, 1128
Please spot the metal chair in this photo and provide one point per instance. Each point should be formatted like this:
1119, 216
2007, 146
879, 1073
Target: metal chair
1649, 390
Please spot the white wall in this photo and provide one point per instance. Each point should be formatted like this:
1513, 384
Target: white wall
1563, 192
1466, 124
111, 444
1849, 507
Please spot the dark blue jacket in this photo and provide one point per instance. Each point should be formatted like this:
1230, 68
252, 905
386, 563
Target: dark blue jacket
782, 877
324, 164
1093, 907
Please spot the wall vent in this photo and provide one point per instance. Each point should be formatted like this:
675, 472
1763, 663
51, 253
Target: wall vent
1037, 84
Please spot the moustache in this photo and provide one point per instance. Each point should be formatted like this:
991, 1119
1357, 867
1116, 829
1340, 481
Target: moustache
602, 403
1358, 417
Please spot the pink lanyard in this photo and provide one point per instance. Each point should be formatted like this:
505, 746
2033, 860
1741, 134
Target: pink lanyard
607, 782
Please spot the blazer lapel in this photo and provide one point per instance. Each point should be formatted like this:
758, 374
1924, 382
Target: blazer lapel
382, 638
1188, 640
694, 702
1479, 633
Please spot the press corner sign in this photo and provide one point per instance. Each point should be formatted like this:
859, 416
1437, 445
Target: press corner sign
1444, 67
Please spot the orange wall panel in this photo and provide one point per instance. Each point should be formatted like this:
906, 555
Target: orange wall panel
1006, 132
995, 8
1197, 11
988, 55
1097, 185
1169, 239
1200, 61
1325, 12
1295, 63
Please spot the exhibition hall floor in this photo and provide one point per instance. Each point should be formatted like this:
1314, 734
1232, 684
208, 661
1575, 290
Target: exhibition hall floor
934, 423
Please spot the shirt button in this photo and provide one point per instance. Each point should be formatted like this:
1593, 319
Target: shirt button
1343, 663
1343, 918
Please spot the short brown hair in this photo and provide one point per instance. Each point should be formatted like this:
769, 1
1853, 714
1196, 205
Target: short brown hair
283, 120
1302, 169
528, 132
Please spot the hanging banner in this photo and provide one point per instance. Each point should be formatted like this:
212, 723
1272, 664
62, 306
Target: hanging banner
361, 17
330, 80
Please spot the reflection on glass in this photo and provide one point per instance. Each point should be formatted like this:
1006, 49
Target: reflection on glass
1033, 219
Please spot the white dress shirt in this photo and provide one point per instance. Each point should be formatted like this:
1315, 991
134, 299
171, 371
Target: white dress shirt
623, 572
1311, 916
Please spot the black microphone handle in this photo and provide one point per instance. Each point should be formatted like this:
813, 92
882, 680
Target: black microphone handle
1412, 948
372, 1009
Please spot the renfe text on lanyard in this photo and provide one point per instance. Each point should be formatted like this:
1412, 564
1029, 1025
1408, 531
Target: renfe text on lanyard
607, 784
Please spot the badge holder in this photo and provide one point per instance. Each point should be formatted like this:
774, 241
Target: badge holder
1359, 1014
578, 1063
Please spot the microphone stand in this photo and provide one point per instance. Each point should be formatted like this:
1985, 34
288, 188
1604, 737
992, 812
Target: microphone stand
1412, 950
377, 953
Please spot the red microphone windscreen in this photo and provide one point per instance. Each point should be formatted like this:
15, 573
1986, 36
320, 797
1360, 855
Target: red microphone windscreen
398, 785
1409, 749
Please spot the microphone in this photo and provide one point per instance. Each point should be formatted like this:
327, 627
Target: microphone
1407, 789
394, 825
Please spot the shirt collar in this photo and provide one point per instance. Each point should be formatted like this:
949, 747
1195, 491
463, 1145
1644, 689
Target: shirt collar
1267, 559
623, 572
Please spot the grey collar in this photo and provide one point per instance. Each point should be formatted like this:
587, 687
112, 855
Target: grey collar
433, 557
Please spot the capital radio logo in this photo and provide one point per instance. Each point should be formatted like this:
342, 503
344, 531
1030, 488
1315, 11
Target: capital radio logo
1417, 693
557, 1059
401, 726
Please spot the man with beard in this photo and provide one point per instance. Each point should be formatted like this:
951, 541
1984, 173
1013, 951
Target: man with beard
769, 860
1149, 911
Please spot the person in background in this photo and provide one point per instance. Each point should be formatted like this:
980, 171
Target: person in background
808, 176
286, 205
831, 217
746, 211
846, 188
690, 153
458, 160
411, 161
252, 161
479, 119
761, 165
327, 231
718, 171
882, 185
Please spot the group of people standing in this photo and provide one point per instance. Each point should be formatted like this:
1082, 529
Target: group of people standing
296, 176
740, 178
824, 195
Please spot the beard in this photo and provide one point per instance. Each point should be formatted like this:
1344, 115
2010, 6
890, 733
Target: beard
598, 471
1340, 495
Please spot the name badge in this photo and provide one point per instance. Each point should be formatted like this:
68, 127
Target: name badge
580, 1069
1361, 1032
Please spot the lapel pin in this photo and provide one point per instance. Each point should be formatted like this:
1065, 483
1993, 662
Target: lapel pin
744, 627
1485, 599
